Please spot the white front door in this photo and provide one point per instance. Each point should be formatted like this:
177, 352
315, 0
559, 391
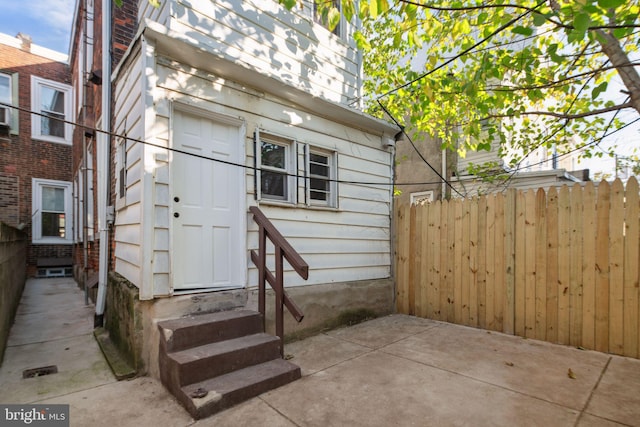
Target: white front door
208, 204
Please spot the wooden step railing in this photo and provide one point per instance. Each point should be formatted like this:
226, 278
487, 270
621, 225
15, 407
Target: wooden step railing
282, 250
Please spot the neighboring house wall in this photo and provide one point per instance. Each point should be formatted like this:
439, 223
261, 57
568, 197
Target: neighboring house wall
36, 153
470, 186
415, 180
86, 66
535, 169
477, 158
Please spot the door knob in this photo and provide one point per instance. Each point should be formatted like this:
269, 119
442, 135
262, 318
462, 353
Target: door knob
176, 214
176, 199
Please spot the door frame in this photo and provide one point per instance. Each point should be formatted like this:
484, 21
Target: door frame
217, 116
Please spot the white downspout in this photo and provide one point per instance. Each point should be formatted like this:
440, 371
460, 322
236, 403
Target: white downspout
104, 143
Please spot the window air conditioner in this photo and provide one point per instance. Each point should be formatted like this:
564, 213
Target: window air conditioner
4, 116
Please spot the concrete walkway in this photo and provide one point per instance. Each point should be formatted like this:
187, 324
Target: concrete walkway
396, 370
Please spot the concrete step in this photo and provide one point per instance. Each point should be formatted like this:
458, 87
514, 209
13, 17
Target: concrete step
194, 331
213, 361
227, 390
210, 360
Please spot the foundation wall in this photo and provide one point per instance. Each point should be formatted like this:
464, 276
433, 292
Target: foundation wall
133, 324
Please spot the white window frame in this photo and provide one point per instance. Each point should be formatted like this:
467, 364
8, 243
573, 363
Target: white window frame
289, 167
76, 208
332, 164
90, 189
37, 185
339, 31
420, 197
121, 174
37, 83
8, 115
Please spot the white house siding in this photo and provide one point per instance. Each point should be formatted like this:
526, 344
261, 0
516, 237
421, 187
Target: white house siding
477, 158
158, 14
128, 120
343, 244
352, 241
265, 37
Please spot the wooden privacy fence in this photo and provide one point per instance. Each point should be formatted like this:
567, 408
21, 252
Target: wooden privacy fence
560, 266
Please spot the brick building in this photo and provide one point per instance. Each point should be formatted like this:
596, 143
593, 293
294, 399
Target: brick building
35, 161
86, 65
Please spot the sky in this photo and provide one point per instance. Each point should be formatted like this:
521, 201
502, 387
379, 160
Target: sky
48, 22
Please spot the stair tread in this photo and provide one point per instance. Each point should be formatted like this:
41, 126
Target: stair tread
201, 319
221, 347
251, 376
202, 329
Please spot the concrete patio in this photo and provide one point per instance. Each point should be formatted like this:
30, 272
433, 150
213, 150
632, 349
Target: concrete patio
396, 370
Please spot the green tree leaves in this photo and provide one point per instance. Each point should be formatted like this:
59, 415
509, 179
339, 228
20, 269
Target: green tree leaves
527, 73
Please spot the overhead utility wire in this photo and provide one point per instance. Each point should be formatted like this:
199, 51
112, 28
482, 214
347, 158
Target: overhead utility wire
175, 150
594, 143
127, 138
418, 151
464, 52
562, 128
447, 62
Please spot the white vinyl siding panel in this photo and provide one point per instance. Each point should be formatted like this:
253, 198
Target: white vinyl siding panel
478, 158
128, 113
158, 14
265, 37
350, 242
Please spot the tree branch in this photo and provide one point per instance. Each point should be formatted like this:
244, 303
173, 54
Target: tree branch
501, 88
464, 52
512, 6
619, 59
565, 116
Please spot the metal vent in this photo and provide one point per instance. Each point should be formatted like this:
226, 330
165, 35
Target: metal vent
39, 372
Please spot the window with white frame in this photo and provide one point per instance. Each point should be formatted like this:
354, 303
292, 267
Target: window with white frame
321, 177
89, 184
54, 102
276, 161
421, 197
51, 211
5, 98
323, 19
121, 177
77, 236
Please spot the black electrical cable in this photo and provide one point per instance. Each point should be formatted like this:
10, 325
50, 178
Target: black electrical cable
175, 150
464, 52
418, 151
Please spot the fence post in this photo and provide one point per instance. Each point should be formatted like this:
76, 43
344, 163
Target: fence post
631, 270
403, 256
510, 262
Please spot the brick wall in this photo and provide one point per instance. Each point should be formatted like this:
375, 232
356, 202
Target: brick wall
13, 250
124, 27
9, 192
24, 158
